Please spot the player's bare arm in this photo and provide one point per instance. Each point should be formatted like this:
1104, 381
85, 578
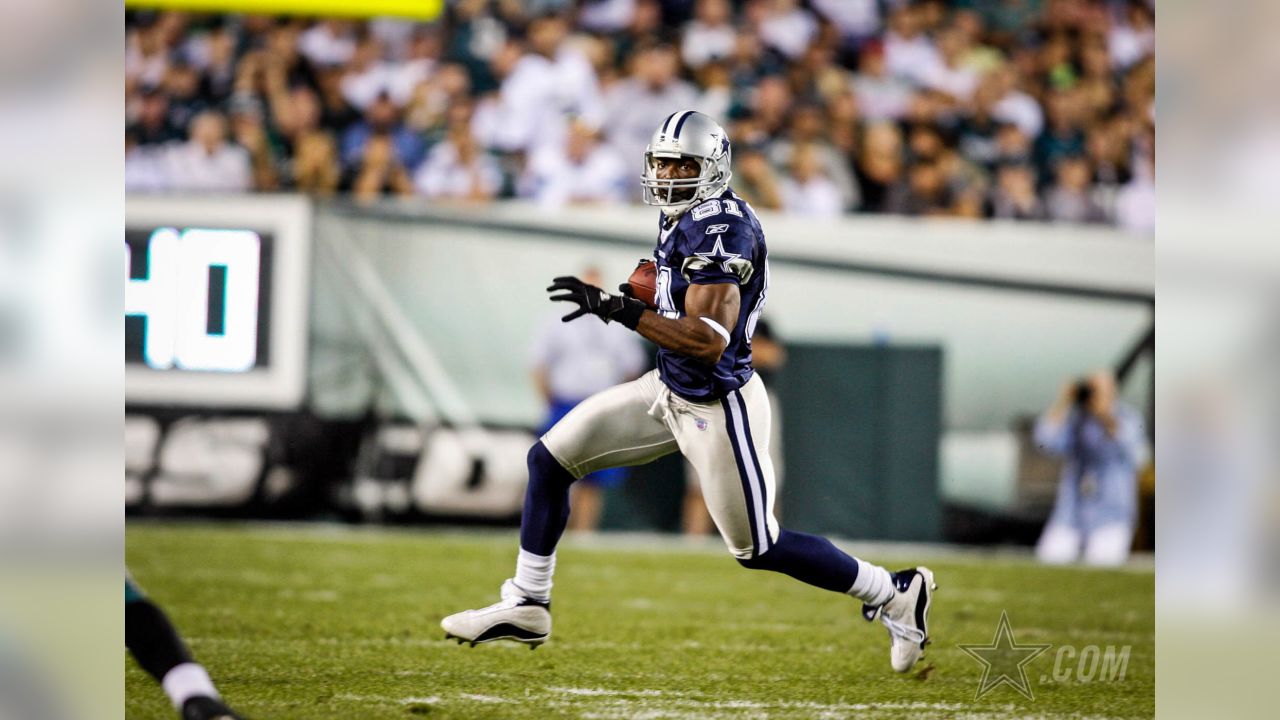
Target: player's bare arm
693, 334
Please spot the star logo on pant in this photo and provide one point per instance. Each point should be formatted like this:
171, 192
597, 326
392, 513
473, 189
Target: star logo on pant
1004, 661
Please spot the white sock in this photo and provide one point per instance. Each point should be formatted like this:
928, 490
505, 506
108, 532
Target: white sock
186, 681
533, 574
873, 586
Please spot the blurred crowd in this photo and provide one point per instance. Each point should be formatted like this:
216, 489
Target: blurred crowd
1023, 109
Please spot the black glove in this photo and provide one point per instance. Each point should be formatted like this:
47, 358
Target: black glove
591, 299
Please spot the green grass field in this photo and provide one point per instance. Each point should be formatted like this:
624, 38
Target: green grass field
323, 622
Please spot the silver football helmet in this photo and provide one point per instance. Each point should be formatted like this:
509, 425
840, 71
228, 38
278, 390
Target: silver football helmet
693, 135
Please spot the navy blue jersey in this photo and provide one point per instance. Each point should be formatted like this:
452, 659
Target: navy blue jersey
717, 241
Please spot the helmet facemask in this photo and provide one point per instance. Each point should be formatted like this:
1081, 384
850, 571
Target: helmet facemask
676, 195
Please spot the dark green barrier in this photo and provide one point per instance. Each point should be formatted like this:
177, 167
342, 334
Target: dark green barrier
860, 439
860, 435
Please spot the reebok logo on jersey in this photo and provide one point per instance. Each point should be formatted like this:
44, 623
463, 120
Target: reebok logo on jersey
717, 229
700, 423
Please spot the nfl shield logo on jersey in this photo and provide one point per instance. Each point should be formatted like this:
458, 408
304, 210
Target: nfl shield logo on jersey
700, 423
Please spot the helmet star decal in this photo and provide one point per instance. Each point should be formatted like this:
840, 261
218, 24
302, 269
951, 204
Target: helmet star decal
718, 255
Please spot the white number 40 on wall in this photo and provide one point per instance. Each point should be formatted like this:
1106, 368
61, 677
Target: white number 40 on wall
174, 299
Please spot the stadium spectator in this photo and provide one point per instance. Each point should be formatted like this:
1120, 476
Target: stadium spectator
606, 16
144, 166
806, 190
639, 103
575, 92
181, 87
1063, 136
879, 165
329, 43
249, 132
583, 171
207, 161
457, 167
1015, 105
1070, 199
880, 95
952, 75
1012, 83
1100, 439
448, 86
1133, 38
808, 129
382, 120
856, 20
315, 164
923, 193
151, 124
1014, 196
976, 133
783, 25
710, 36
909, 52
380, 172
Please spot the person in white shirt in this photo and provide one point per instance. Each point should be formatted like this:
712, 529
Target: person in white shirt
881, 96
368, 76
856, 19
638, 104
144, 169
575, 91
806, 190
331, 42
710, 35
606, 16
787, 28
207, 161
458, 167
571, 362
952, 76
908, 51
1133, 39
583, 171
523, 110
1015, 106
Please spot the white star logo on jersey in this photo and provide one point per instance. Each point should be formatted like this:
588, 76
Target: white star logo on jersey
718, 255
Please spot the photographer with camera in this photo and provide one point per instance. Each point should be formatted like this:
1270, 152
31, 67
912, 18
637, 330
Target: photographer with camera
1100, 439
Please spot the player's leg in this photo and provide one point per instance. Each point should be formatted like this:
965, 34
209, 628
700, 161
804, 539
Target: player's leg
613, 428
610, 429
156, 645
728, 445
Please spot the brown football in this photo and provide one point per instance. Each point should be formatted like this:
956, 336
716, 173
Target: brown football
644, 283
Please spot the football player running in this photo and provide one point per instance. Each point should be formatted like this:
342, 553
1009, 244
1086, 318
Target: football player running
703, 400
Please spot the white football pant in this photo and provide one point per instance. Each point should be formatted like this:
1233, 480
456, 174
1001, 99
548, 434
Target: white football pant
726, 441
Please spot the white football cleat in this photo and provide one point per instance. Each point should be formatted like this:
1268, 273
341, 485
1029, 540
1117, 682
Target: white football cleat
516, 617
906, 616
